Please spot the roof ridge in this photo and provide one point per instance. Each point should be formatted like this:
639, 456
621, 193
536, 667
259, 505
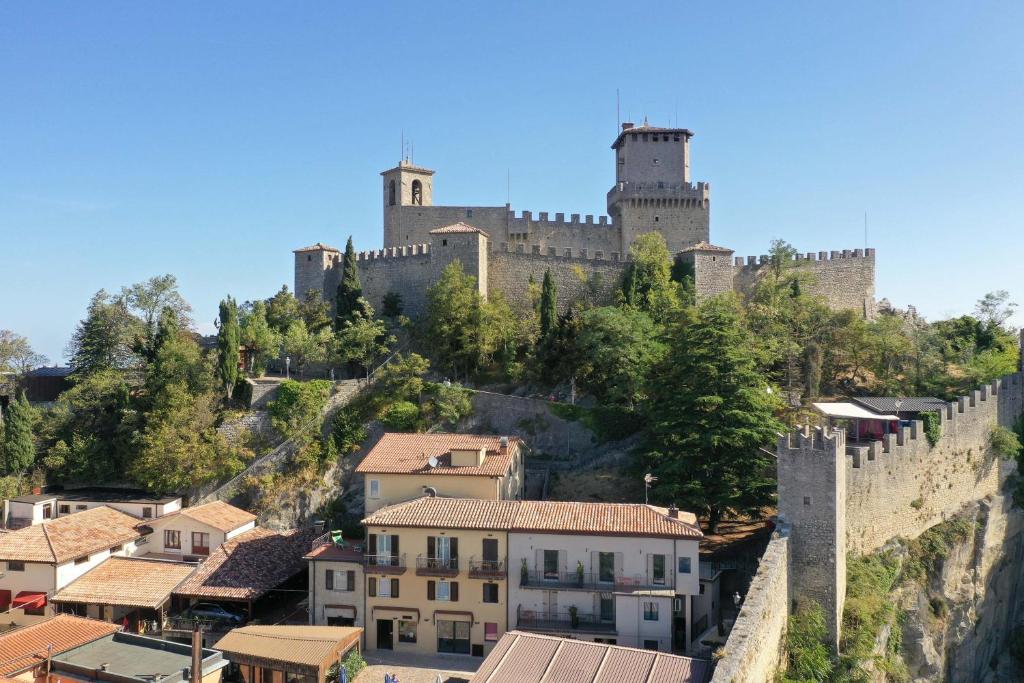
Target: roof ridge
551, 662
49, 543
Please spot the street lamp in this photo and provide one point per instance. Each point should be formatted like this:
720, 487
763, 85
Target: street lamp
648, 480
287, 367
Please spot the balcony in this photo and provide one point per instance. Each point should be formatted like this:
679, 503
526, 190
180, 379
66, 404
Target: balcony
589, 581
487, 569
384, 563
562, 621
437, 566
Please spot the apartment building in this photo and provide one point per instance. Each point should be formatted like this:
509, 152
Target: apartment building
437, 573
406, 466
336, 584
36, 507
192, 532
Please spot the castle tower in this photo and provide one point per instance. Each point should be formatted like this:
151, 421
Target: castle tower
313, 267
405, 187
710, 267
653, 191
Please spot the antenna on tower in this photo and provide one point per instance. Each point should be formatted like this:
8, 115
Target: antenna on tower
865, 230
508, 186
401, 157
618, 116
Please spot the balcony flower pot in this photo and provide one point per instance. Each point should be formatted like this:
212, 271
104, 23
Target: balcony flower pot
524, 573
579, 573
574, 617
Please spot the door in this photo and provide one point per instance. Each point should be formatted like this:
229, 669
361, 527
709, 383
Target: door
453, 636
551, 604
490, 553
385, 634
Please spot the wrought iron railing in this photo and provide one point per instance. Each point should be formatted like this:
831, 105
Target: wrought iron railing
487, 568
385, 560
563, 620
439, 565
592, 581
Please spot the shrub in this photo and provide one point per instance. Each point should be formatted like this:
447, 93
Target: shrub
1005, 442
917, 503
609, 423
928, 550
932, 428
807, 650
401, 416
347, 431
298, 406
353, 663
869, 580
451, 402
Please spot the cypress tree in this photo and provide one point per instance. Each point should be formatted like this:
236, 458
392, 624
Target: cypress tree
548, 305
19, 446
228, 337
350, 291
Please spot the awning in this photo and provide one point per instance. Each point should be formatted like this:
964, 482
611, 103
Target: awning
850, 411
5, 599
397, 612
30, 600
346, 611
452, 613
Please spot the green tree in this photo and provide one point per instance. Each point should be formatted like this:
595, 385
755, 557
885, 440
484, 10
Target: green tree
452, 402
19, 451
392, 305
315, 312
548, 305
362, 338
282, 310
177, 359
228, 340
710, 415
453, 320
647, 283
298, 405
104, 339
303, 347
147, 301
262, 342
617, 348
402, 378
16, 354
349, 298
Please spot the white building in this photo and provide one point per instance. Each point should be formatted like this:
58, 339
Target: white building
192, 532
36, 507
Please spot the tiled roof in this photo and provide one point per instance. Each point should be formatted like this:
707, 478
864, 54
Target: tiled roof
332, 553
54, 371
128, 581
65, 538
319, 246
530, 657
307, 645
409, 454
249, 565
218, 514
707, 246
651, 129
407, 166
541, 516
888, 404
456, 228
25, 647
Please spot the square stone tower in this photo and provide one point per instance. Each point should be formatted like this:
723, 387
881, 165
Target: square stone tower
405, 187
653, 191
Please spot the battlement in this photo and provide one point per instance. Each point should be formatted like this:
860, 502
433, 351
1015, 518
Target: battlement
813, 439
700, 190
559, 219
764, 259
584, 254
394, 252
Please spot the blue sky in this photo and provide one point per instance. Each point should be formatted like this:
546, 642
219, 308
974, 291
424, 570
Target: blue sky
208, 140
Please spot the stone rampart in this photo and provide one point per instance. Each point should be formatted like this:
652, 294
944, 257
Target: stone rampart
408, 271
579, 275
755, 647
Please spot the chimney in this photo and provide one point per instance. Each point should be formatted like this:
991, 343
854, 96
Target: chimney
626, 125
504, 444
197, 655
673, 512
36, 490
318, 525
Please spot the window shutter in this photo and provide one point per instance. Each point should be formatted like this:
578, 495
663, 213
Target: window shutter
595, 561
394, 545
329, 577
563, 560
618, 565
430, 590
455, 549
431, 547
455, 591
373, 587
373, 544
350, 580
394, 588
538, 560
650, 568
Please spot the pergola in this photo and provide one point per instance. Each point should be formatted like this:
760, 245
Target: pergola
859, 423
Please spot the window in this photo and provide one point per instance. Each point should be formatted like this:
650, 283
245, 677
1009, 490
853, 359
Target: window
807, 500
116, 549
147, 513
490, 631
606, 567
491, 593
656, 163
684, 565
658, 569
444, 243
551, 564
82, 560
650, 645
338, 580
702, 589
375, 488
469, 213
384, 588
172, 539
391, 193
417, 192
35, 611
81, 507
444, 591
650, 611
14, 566
607, 608
64, 509
406, 631
47, 511
200, 543
656, 219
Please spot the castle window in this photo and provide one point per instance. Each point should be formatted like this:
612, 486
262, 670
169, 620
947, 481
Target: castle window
444, 243
664, 138
309, 257
656, 163
645, 137
807, 500
655, 219
391, 193
417, 192
675, 138
469, 213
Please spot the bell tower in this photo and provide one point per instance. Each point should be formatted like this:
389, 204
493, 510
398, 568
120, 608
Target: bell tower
405, 187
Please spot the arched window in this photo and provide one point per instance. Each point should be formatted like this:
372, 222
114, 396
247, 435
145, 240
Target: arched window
417, 192
391, 194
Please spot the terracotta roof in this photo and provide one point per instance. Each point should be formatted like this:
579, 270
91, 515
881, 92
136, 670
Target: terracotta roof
651, 129
542, 516
319, 246
409, 453
332, 553
455, 228
707, 246
218, 514
65, 538
25, 647
307, 645
249, 565
530, 657
128, 581
407, 166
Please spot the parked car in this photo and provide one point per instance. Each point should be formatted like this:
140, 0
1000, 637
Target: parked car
208, 611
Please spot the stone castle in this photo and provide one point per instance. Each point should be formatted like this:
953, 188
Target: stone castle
653, 192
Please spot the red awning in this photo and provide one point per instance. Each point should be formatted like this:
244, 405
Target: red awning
29, 599
5, 599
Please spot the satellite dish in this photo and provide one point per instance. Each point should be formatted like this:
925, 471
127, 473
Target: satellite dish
432, 461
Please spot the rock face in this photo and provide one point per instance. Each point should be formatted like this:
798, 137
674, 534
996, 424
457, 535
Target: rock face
958, 630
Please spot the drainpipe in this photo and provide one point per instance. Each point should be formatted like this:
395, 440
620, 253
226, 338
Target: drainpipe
197, 654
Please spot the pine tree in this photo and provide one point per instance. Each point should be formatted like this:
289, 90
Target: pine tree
710, 414
350, 291
19, 446
228, 338
548, 306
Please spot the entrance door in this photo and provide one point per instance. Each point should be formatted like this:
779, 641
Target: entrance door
453, 636
551, 604
491, 550
385, 634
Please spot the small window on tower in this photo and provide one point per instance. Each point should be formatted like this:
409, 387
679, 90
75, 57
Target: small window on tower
664, 138
417, 192
655, 219
309, 257
391, 193
655, 162
469, 213
675, 138
444, 243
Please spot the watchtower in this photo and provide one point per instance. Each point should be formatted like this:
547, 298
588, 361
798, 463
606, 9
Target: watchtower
405, 186
653, 191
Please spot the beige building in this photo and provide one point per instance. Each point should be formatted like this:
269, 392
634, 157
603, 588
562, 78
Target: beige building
192, 532
336, 585
437, 573
288, 654
405, 466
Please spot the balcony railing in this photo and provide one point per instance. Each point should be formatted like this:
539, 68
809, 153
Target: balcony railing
562, 620
437, 566
590, 581
385, 563
487, 569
